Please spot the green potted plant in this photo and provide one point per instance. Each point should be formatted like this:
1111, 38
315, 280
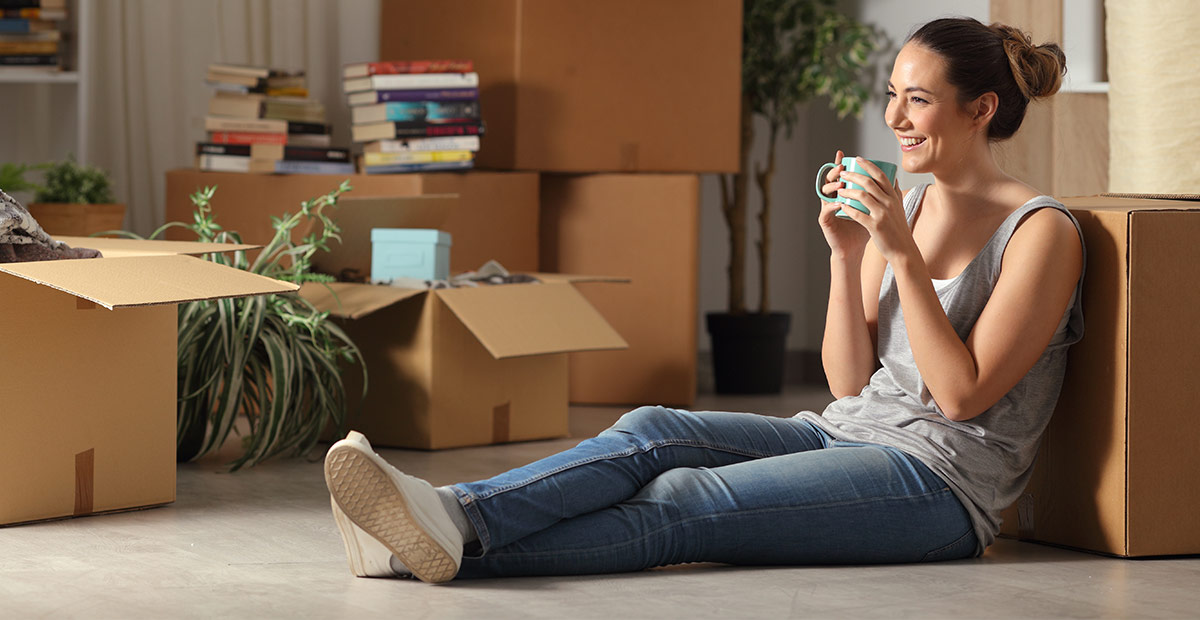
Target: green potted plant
75, 199
273, 359
792, 51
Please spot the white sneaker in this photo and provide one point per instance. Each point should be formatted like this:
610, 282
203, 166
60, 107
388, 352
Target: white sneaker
367, 556
400, 512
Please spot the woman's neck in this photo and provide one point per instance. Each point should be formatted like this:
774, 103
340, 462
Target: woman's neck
971, 183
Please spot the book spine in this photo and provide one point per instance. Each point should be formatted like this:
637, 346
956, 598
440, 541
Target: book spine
406, 130
447, 143
223, 163
210, 148
419, 66
435, 94
432, 166
218, 123
28, 60
415, 157
11, 25
423, 81
28, 47
430, 110
313, 167
306, 127
308, 153
246, 137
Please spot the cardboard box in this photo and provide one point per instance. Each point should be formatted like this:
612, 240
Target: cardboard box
496, 218
467, 366
578, 86
89, 376
644, 227
422, 253
1118, 470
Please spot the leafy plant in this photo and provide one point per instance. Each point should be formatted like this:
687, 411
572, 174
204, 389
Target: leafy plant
272, 358
68, 181
792, 51
12, 178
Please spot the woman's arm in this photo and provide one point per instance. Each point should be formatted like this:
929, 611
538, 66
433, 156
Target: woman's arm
1041, 266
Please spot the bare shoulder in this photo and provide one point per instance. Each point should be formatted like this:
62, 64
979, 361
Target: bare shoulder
1046, 235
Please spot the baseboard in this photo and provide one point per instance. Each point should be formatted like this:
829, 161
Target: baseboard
801, 367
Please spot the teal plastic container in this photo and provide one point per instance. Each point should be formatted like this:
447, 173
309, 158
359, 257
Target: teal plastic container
409, 253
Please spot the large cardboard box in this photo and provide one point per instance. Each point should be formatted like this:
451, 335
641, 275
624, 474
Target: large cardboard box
644, 227
580, 86
1118, 471
496, 218
88, 385
466, 366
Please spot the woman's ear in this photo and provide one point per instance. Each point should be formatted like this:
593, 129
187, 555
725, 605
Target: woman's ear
983, 109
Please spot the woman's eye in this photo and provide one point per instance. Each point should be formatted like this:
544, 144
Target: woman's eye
918, 100
891, 94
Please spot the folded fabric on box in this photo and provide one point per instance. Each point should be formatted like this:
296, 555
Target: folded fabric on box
23, 240
491, 272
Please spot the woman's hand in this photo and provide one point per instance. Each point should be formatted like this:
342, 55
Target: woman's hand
844, 237
886, 223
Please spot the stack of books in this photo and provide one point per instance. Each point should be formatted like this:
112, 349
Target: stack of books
262, 120
414, 116
31, 33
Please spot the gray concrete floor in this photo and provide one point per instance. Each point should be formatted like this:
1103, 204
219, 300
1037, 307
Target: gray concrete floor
261, 543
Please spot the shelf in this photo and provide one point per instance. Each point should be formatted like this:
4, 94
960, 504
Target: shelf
36, 76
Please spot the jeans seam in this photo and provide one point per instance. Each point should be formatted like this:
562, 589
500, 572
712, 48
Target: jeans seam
641, 449
958, 540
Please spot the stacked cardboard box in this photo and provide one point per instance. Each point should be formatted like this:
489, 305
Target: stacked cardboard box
414, 115
619, 105
262, 120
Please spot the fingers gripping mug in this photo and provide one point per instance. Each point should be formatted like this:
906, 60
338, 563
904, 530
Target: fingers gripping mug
851, 165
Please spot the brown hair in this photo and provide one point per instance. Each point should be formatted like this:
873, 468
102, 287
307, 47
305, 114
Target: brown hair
997, 58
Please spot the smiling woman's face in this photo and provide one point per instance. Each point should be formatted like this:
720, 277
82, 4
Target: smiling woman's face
923, 111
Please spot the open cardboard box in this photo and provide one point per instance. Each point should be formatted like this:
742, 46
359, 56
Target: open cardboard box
1118, 470
89, 376
455, 367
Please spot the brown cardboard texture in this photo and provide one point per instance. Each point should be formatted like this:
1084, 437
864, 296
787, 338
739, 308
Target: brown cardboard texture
350, 260
1118, 468
647, 227
578, 86
496, 217
88, 392
467, 366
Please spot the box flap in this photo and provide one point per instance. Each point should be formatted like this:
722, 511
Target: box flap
114, 248
351, 259
575, 279
1126, 203
146, 280
531, 319
352, 301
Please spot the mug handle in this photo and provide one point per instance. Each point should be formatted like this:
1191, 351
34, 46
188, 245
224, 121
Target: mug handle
821, 181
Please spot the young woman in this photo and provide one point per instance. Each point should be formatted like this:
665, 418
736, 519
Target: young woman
966, 292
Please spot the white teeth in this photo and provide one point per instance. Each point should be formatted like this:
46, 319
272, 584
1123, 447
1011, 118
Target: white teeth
911, 141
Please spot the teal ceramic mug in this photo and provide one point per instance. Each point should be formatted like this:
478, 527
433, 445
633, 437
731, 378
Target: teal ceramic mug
851, 165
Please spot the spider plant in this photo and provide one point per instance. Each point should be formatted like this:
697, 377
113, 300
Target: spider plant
274, 359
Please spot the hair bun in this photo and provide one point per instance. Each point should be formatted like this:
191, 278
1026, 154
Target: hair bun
1037, 69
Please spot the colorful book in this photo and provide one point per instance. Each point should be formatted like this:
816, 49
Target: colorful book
388, 67
415, 157
401, 81
21, 25
34, 12
420, 94
36, 47
433, 166
443, 143
414, 111
286, 166
246, 137
391, 130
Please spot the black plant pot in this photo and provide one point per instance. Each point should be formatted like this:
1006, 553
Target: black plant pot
748, 351
189, 444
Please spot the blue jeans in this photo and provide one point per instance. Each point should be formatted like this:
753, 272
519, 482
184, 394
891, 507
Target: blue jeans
665, 486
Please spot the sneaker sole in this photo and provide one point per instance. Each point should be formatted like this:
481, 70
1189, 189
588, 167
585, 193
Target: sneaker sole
367, 496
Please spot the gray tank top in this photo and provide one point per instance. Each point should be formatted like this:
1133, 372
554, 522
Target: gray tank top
988, 459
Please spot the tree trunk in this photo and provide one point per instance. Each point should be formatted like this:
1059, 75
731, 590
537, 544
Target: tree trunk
763, 176
733, 205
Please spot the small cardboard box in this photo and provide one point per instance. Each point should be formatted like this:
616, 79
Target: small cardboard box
420, 253
89, 377
467, 366
581, 86
646, 227
1118, 470
496, 217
